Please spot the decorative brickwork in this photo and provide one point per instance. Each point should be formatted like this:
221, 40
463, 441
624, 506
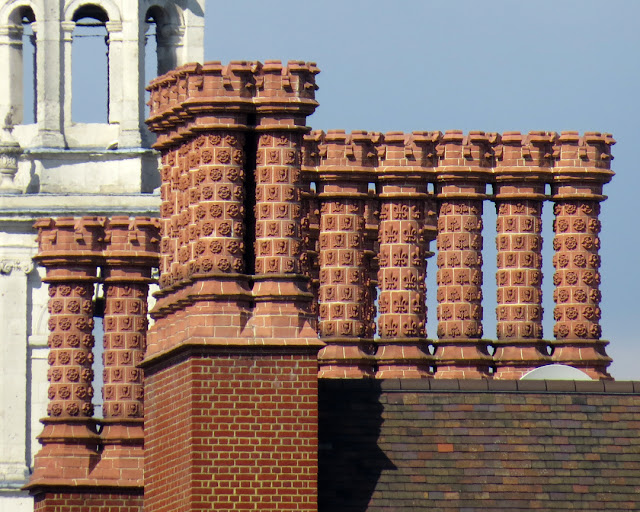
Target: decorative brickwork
407, 225
577, 194
461, 189
73, 455
343, 174
279, 248
522, 170
242, 413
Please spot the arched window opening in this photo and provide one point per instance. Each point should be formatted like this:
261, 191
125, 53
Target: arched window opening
165, 51
151, 63
17, 54
29, 68
90, 66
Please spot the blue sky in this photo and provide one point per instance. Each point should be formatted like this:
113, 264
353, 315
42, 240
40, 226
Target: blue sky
474, 65
493, 65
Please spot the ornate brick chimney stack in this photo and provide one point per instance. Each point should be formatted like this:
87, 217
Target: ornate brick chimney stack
231, 368
581, 169
406, 228
343, 174
463, 174
522, 170
84, 460
70, 250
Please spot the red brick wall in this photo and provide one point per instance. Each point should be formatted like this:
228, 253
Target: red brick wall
232, 432
90, 502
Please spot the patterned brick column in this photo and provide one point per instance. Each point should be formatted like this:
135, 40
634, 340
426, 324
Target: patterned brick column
407, 225
343, 174
462, 179
583, 167
131, 251
284, 98
523, 166
70, 250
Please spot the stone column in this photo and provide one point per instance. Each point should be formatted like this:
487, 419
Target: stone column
14, 466
523, 167
125, 90
11, 83
52, 80
462, 178
581, 170
67, 52
11, 105
407, 225
343, 174
70, 250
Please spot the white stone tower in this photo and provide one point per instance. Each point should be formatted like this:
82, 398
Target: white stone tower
55, 166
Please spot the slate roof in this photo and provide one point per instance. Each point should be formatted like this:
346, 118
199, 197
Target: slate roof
402, 446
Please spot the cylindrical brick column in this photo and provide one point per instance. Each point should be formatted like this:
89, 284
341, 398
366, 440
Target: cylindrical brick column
131, 251
407, 225
523, 167
462, 176
284, 99
343, 174
70, 250
583, 167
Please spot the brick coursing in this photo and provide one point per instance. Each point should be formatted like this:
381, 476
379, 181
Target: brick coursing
92, 501
400, 446
235, 431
